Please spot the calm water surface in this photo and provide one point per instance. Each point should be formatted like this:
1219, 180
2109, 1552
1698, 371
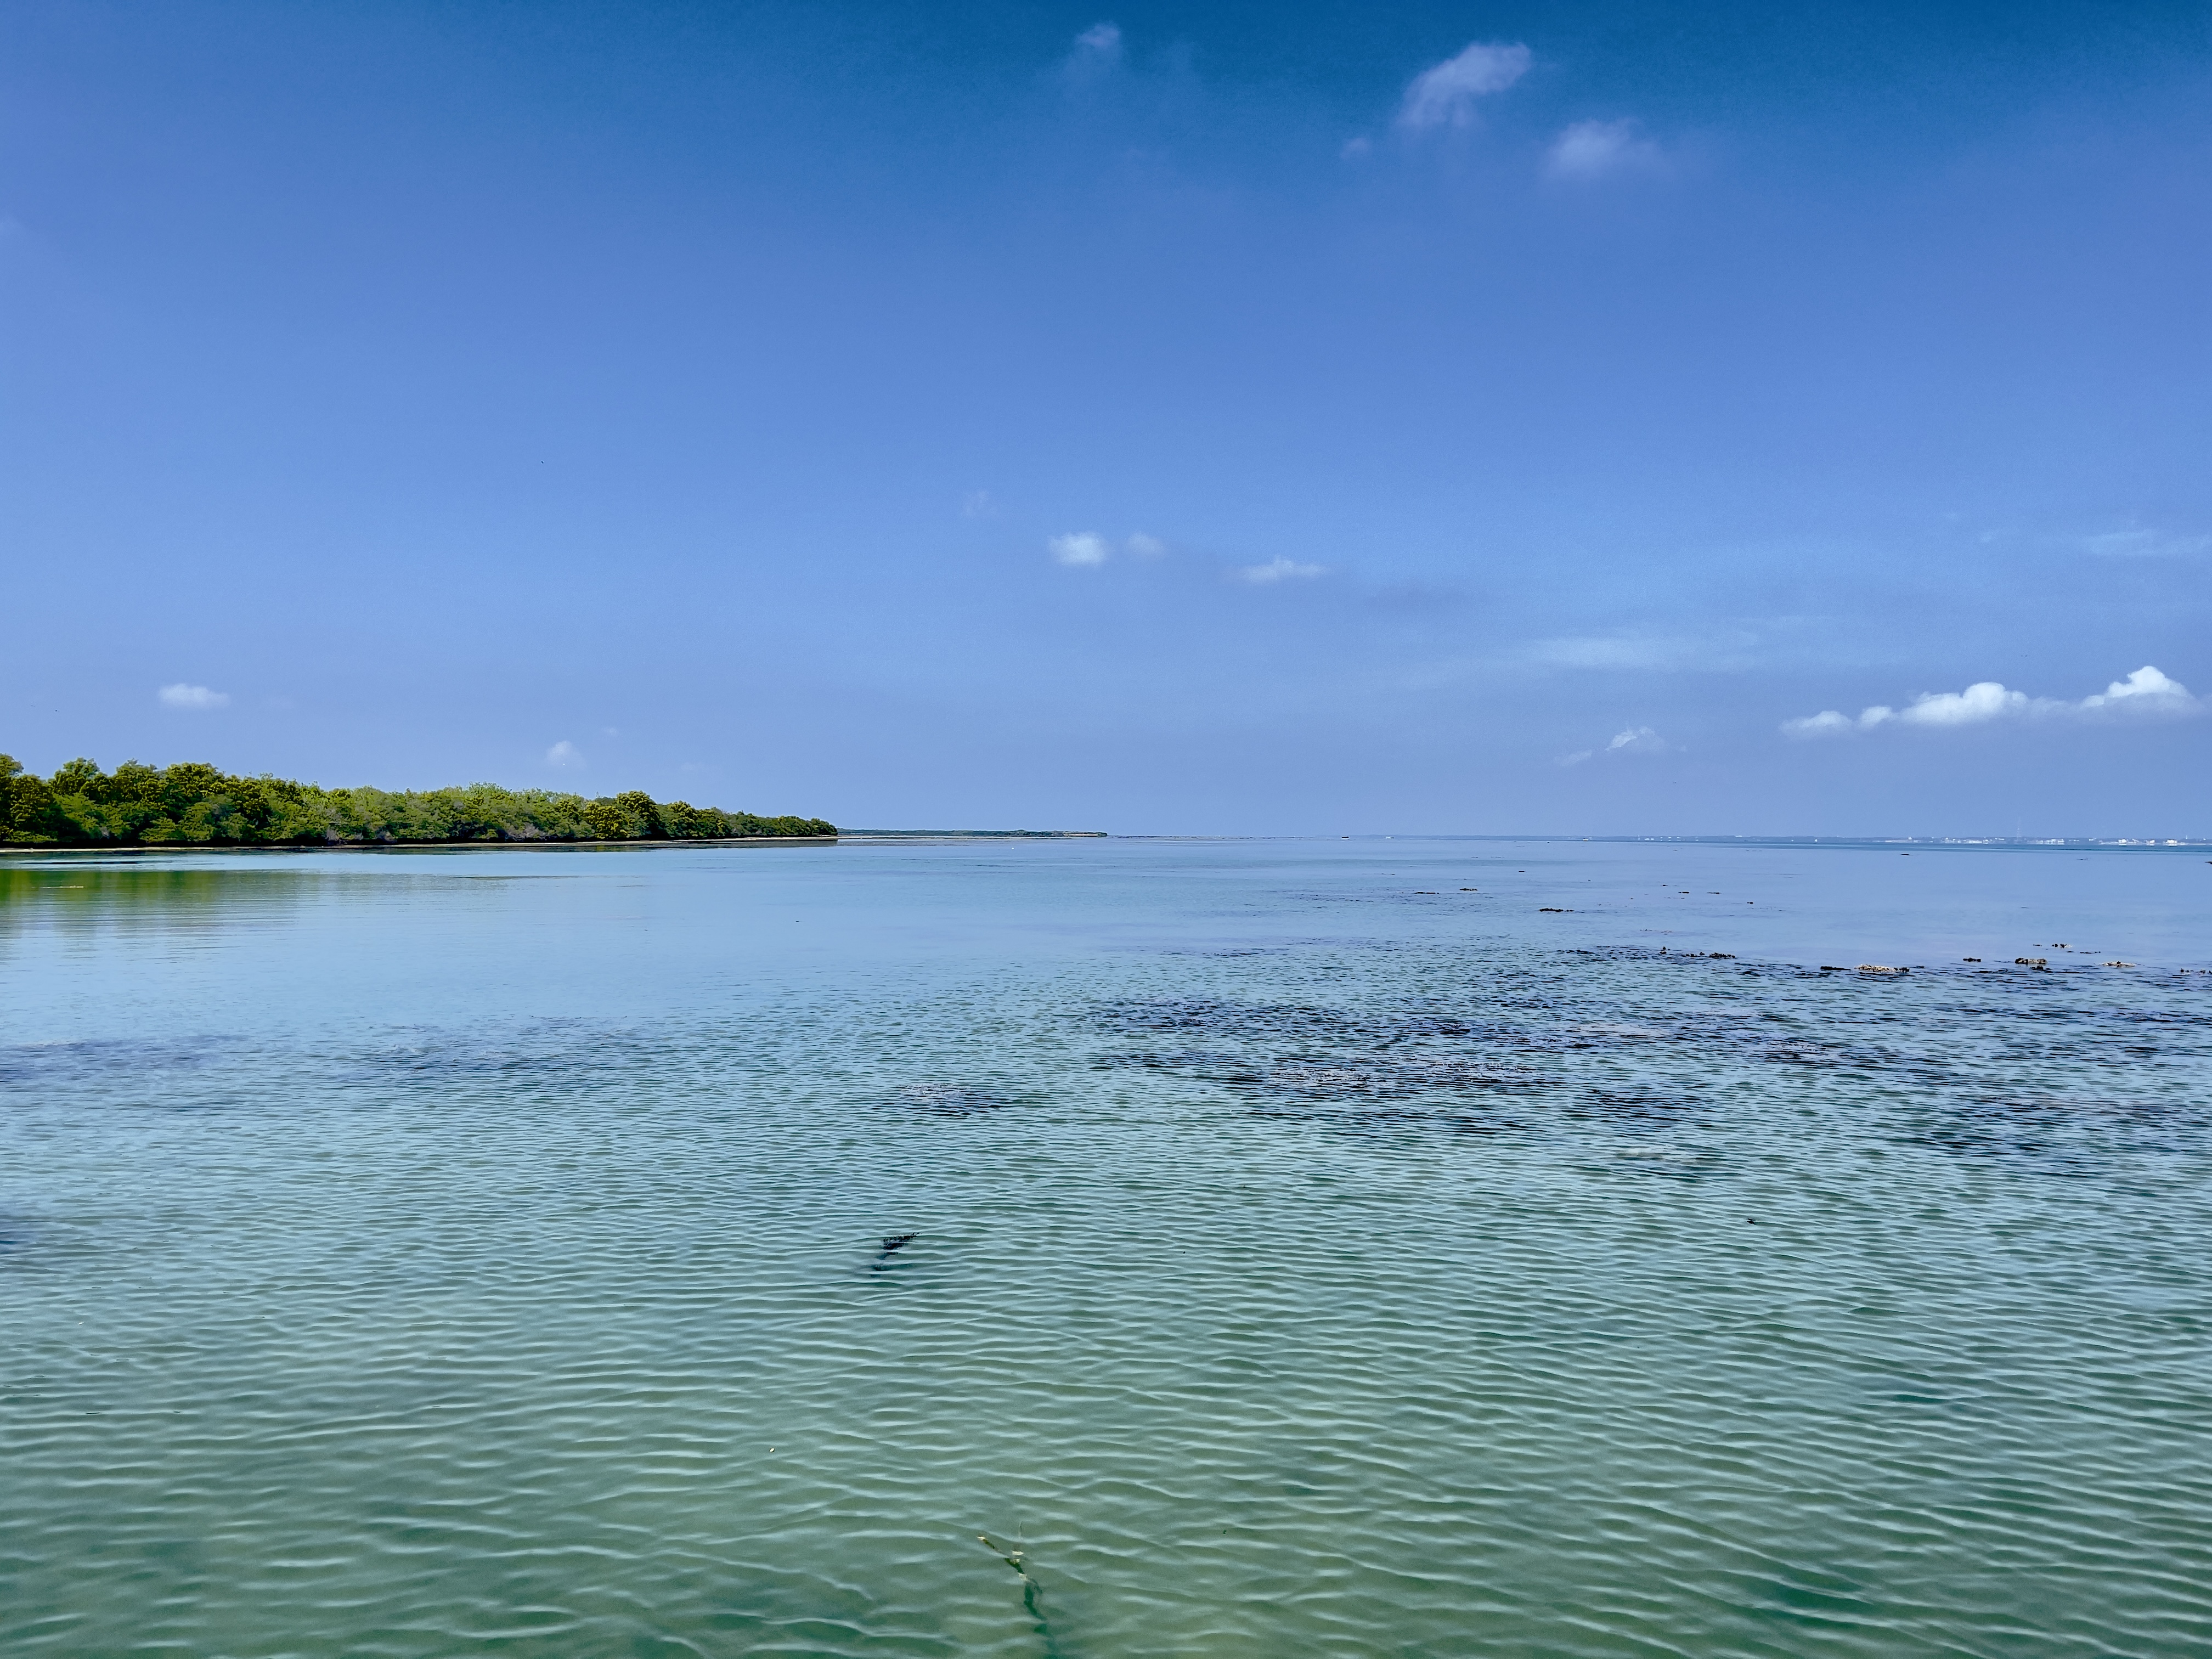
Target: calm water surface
428, 1254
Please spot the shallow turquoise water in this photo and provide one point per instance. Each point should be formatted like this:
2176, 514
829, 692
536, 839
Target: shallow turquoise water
437, 1253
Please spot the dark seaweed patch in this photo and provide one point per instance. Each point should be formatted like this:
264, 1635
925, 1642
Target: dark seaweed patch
1194, 1061
1296, 1022
1386, 1077
1371, 1118
1643, 1108
2061, 1135
550, 1051
50, 1064
1958, 1063
1368, 1067
951, 1099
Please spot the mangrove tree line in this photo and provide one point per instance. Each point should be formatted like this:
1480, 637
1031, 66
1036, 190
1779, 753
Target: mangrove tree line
192, 803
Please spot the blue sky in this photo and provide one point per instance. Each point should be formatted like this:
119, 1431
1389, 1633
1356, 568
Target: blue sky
1231, 419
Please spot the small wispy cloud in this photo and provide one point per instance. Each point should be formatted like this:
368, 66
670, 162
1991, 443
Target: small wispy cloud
1611, 651
1600, 149
1098, 47
1087, 548
2137, 543
1721, 651
1635, 741
1278, 569
1444, 95
1081, 550
564, 754
1828, 723
978, 504
198, 698
2145, 691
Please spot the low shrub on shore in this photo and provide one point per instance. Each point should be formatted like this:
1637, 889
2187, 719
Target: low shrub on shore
192, 803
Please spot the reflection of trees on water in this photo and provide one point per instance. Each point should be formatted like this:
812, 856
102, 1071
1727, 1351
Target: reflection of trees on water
136, 897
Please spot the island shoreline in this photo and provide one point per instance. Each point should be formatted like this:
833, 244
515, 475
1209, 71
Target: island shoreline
81, 849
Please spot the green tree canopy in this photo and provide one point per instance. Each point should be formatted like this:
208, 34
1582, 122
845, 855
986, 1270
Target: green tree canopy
193, 804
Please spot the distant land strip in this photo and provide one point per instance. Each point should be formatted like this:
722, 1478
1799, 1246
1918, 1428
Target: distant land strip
193, 804
976, 835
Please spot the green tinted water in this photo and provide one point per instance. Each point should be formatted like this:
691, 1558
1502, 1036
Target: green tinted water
486, 1253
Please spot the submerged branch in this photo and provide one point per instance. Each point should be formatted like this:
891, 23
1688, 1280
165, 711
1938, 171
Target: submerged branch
1018, 1560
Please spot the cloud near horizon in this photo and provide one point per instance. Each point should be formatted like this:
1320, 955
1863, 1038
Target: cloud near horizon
196, 697
2145, 691
564, 753
1444, 95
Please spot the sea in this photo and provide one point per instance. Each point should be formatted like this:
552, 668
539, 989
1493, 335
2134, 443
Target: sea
1108, 1247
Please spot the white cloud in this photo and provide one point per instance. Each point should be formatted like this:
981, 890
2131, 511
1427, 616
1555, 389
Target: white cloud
1280, 569
2145, 691
1635, 741
564, 753
1081, 549
195, 697
1445, 95
1596, 149
1356, 146
2144, 544
1145, 547
1984, 700
978, 504
1100, 44
1828, 723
